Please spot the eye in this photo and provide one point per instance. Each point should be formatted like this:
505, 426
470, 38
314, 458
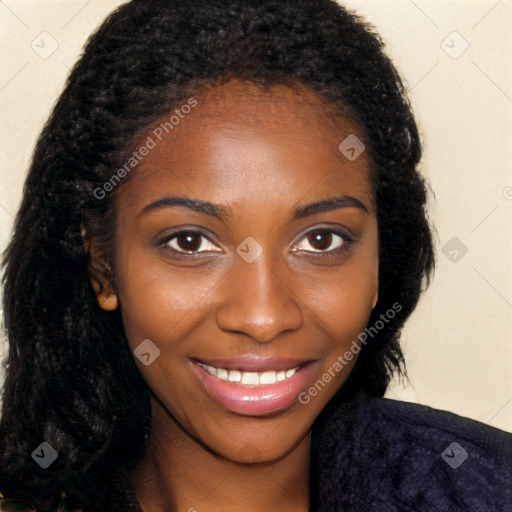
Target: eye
323, 241
189, 242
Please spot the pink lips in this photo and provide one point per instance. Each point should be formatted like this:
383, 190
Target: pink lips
255, 400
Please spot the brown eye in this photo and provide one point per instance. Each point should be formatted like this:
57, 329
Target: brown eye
190, 243
323, 241
320, 240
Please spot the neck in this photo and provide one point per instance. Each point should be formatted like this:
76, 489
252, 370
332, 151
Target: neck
179, 474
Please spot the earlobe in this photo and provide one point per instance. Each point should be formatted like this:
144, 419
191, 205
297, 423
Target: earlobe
100, 276
102, 286
108, 302
375, 299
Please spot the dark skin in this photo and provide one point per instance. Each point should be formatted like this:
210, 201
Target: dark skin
261, 155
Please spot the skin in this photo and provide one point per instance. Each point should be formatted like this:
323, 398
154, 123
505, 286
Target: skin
261, 154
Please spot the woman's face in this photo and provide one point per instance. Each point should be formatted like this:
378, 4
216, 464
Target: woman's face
263, 272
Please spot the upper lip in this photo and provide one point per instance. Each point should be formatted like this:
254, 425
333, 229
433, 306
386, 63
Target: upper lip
249, 362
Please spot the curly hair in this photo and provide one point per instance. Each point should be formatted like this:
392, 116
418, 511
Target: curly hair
70, 377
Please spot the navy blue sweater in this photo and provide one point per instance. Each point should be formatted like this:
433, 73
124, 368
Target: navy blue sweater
381, 455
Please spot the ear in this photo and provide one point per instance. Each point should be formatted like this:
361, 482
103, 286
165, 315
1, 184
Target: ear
376, 285
100, 275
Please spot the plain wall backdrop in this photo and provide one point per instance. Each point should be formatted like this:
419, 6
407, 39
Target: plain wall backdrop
455, 57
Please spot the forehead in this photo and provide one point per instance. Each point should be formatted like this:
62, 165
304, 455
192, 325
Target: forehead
241, 141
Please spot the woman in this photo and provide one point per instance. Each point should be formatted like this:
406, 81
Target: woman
222, 233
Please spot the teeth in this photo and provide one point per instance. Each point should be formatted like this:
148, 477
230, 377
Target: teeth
249, 378
234, 375
222, 374
268, 378
210, 369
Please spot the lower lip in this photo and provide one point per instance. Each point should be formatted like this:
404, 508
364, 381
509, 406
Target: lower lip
256, 400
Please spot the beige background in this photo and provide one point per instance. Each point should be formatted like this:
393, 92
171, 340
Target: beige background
458, 343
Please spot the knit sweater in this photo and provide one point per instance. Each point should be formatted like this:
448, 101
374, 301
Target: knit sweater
380, 455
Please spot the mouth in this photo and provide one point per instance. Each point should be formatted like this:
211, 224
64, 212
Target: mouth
248, 378
252, 385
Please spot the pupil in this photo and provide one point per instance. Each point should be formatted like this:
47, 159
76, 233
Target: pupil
189, 242
321, 240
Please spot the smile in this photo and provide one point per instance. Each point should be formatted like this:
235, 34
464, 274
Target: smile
255, 386
249, 378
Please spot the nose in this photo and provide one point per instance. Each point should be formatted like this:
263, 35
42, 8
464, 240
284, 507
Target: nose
256, 301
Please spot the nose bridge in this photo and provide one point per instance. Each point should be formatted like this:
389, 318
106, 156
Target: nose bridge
257, 301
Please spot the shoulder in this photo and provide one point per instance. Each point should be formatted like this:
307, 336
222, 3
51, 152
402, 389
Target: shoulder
428, 425
412, 457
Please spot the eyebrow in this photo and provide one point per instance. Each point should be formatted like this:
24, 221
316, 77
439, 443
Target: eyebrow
205, 207
222, 212
329, 204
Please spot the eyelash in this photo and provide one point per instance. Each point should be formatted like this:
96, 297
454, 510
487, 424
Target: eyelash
346, 242
180, 253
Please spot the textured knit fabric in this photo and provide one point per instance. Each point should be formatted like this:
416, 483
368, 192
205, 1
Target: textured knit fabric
380, 455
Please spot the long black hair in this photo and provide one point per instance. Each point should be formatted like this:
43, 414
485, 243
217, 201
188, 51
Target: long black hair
70, 378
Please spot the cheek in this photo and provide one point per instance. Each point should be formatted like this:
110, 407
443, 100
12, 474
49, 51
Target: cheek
343, 298
341, 309
344, 311
156, 301
343, 305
